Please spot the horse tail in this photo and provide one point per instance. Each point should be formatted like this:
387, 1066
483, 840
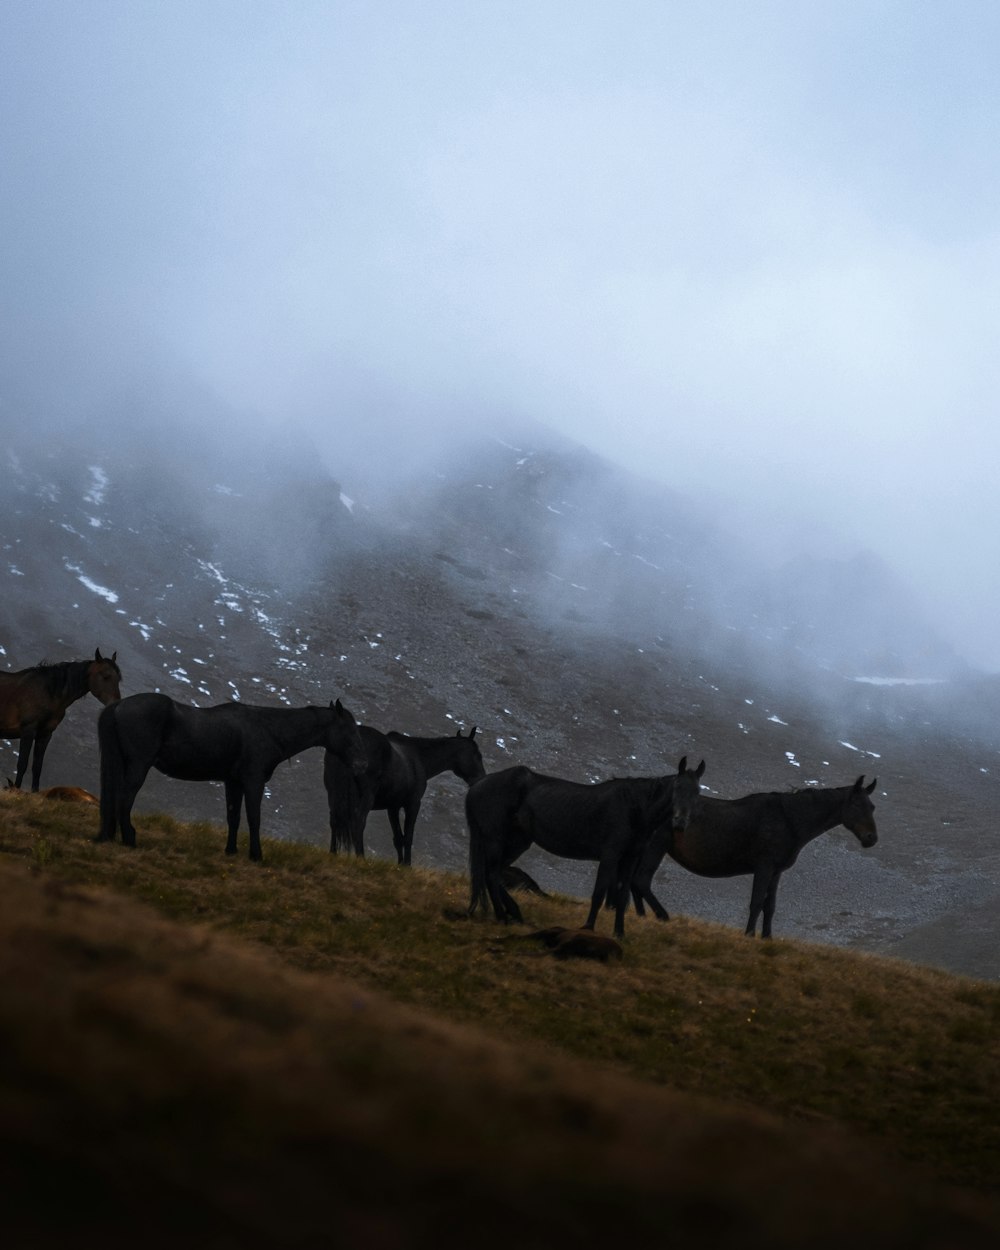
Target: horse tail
112, 770
343, 795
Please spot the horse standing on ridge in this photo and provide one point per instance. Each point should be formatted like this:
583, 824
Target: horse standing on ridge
237, 743
610, 822
394, 781
760, 834
33, 702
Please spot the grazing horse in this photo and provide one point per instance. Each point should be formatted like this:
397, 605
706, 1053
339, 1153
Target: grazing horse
760, 834
33, 702
609, 822
394, 781
237, 743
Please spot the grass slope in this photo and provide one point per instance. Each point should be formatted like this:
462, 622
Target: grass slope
367, 1065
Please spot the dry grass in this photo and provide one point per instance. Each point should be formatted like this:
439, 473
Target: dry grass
583, 1107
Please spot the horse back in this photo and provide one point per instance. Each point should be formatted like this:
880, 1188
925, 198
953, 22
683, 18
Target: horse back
729, 837
189, 743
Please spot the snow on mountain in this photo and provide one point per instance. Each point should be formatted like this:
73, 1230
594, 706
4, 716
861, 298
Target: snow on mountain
589, 623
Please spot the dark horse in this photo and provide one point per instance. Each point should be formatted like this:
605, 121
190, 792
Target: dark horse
394, 781
609, 822
237, 743
34, 701
760, 834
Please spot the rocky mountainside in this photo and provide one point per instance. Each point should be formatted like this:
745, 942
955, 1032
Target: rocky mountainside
590, 624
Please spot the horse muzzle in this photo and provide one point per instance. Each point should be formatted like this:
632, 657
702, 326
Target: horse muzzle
867, 837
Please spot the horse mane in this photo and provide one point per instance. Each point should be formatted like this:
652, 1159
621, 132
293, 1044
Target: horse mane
58, 678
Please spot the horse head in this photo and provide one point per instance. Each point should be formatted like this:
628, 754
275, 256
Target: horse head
859, 812
104, 677
687, 787
344, 739
468, 760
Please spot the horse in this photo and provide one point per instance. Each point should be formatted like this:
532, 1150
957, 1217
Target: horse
64, 794
33, 702
610, 822
237, 743
394, 781
760, 834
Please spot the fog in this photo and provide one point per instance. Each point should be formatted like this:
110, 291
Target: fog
750, 251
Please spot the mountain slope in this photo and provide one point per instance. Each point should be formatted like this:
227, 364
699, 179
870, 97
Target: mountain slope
589, 623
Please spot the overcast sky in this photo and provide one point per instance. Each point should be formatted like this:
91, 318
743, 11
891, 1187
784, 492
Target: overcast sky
752, 249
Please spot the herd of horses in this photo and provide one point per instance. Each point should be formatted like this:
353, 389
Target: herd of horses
627, 825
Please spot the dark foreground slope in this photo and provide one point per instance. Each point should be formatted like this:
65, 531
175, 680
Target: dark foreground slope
168, 1080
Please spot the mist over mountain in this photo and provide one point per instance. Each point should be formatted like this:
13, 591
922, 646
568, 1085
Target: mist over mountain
589, 622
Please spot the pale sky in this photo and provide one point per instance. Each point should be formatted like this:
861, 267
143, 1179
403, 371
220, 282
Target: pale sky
751, 249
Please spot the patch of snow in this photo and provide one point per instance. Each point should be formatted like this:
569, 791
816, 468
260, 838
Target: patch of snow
776, 720
790, 756
98, 486
347, 501
93, 586
900, 681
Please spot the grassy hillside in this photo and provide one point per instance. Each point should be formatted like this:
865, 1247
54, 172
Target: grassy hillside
331, 1046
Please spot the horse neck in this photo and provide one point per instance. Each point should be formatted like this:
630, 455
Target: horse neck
436, 755
297, 728
68, 681
813, 812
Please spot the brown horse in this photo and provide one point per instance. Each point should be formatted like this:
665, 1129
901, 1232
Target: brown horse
34, 701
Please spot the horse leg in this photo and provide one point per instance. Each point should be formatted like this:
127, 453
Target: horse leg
762, 879
234, 802
505, 907
41, 744
410, 814
252, 797
659, 911
603, 882
131, 785
27, 742
769, 903
397, 832
359, 819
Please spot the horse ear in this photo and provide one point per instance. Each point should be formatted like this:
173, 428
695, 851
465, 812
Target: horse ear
700, 769
114, 656
338, 705
97, 654
682, 766
860, 782
472, 732
869, 789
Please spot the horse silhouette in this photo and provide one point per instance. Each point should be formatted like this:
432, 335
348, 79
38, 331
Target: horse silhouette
236, 743
394, 781
760, 834
33, 702
609, 822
